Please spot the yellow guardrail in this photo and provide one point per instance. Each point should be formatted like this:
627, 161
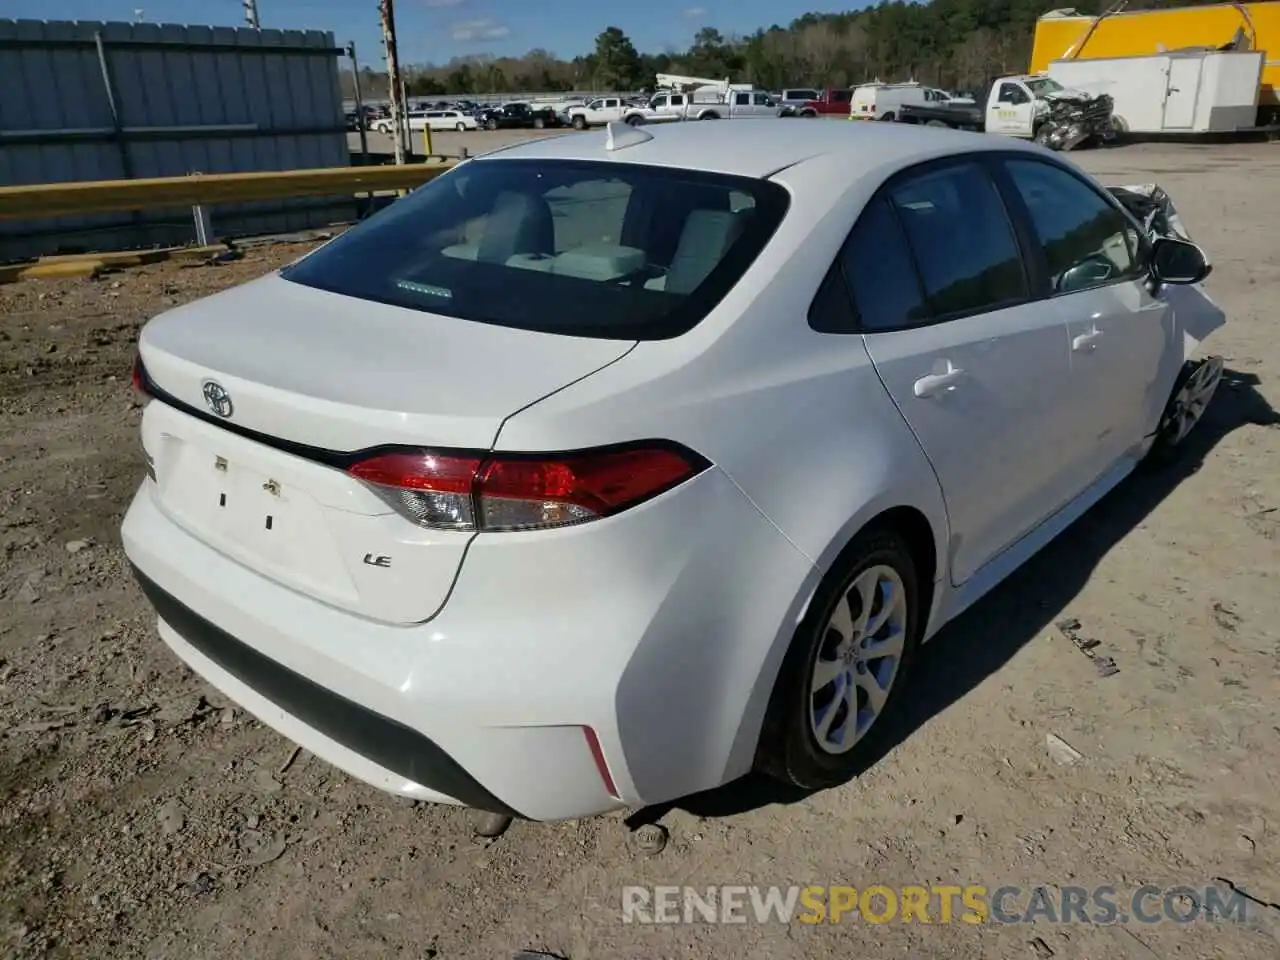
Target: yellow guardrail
41, 200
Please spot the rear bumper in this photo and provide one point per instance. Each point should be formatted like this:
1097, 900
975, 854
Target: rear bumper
658, 630
380, 740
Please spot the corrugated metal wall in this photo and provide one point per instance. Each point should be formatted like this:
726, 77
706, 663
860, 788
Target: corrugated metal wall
183, 99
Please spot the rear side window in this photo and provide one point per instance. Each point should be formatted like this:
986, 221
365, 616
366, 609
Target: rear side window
878, 266
962, 239
606, 250
1087, 242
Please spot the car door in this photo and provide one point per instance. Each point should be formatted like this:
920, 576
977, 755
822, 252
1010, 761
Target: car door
1011, 110
944, 299
1124, 354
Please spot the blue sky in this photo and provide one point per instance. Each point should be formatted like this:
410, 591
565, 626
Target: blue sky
435, 30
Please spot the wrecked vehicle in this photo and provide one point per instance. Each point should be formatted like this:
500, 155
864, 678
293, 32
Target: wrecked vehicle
1195, 316
1030, 108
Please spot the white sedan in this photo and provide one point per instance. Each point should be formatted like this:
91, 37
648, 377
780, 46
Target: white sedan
604, 469
442, 120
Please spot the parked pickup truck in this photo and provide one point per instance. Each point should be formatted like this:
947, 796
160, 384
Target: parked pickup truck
516, 116
1032, 108
668, 107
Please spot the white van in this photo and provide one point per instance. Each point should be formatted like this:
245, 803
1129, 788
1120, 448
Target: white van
880, 101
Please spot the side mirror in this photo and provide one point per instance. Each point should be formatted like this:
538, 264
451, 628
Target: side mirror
1178, 261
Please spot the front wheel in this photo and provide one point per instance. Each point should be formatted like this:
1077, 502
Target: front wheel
887, 117
1193, 390
934, 123
579, 123
492, 125
538, 123
846, 665
462, 128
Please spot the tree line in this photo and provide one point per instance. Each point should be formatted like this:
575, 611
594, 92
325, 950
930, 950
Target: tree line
958, 44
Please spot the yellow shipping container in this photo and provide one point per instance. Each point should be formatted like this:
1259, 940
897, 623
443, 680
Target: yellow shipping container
1064, 33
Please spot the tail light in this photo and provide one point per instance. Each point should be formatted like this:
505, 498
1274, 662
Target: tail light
140, 377
451, 490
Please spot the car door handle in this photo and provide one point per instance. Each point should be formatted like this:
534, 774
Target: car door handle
937, 383
1086, 341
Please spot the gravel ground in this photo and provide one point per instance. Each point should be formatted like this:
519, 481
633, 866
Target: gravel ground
141, 815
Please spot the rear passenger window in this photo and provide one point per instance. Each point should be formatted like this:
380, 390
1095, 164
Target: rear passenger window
877, 265
963, 242
1087, 242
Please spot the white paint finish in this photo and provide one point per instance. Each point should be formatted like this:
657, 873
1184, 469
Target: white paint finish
1123, 363
662, 628
995, 435
1181, 92
210, 483
760, 148
606, 625
345, 374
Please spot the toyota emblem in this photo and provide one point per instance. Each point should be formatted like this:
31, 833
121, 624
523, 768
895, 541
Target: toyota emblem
217, 398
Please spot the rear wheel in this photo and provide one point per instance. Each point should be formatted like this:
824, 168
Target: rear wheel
934, 123
538, 123
710, 115
846, 665
1192, 391
888, 117
492, 125
462, 127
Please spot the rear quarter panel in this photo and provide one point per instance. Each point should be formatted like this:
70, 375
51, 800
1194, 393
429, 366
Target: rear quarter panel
798, 420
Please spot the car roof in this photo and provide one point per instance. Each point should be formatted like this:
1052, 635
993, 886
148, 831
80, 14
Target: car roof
762, 147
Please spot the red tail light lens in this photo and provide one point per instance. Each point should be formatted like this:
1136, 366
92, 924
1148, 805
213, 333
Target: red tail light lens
464, 491
140, 376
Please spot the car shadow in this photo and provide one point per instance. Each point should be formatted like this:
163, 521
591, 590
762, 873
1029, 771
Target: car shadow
984, 638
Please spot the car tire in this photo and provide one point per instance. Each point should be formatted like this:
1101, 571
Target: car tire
809, 114
791, 747
887, 117
492, 125
1192, 393
538, 123
579, 123
934, 123
712, 115
462, 128
634, 120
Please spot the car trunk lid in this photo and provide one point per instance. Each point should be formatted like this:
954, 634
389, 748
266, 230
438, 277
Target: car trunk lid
271, 389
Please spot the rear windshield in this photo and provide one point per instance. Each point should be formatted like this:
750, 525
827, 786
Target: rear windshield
593, 249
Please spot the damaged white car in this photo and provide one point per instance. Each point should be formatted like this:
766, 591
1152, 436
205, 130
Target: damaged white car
603, 469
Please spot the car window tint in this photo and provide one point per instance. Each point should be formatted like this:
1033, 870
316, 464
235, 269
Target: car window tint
1087, 241
963, 242
602, 249
878, 266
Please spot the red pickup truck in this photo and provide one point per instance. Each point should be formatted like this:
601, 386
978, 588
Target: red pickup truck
808, 102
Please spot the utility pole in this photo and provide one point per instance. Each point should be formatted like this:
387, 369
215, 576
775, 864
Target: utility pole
360, 118
251, 13
394, 89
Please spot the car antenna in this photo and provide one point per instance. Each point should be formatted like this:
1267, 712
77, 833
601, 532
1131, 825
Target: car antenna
620, 135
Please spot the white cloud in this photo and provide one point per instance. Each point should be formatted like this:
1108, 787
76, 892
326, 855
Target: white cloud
469, 30
444, 3
695, 12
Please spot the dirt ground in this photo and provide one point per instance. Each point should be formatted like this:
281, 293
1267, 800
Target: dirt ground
141, 815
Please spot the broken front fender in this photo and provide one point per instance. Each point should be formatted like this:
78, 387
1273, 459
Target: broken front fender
1195, 314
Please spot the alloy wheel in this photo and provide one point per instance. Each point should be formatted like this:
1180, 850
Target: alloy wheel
858, 659
1191, 400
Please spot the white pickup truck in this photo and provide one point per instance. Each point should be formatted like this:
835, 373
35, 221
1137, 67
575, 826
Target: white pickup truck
733, 104
1030, 107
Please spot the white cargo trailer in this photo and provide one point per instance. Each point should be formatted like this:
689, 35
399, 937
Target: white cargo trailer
1177, 91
